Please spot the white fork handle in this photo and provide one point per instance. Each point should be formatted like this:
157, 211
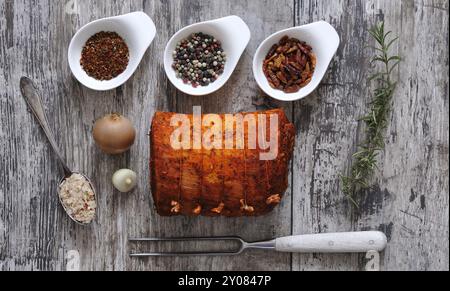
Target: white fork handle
344, 242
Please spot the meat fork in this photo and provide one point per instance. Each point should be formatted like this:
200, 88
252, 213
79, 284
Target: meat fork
344, 242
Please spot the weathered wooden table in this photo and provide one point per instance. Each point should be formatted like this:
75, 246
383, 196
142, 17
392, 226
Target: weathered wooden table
409, 201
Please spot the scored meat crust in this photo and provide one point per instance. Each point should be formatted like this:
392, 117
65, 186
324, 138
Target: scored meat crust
227, 182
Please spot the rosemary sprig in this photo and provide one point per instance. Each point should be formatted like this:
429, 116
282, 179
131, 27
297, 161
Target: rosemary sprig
365, 159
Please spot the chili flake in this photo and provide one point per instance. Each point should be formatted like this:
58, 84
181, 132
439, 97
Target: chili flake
105, 56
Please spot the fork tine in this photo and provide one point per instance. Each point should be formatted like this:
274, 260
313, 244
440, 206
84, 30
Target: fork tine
156, 239
184, 254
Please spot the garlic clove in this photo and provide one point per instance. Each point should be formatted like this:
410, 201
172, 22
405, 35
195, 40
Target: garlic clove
124, 180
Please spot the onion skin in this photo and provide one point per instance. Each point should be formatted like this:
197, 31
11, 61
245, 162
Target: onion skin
124, 180
114, 134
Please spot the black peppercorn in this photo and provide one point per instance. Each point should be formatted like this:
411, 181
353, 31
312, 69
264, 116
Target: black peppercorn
201, 57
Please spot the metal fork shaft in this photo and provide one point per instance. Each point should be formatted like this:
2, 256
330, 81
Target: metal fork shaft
265, 245
156, 239
242, 246
182, 254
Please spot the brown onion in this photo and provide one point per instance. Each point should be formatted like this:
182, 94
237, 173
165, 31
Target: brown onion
114, 133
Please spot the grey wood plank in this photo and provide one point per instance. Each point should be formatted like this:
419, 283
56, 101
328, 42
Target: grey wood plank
410, 202
35, 233
263, 18
410, 198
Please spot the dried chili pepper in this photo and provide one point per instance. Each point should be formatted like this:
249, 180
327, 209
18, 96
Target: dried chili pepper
289, 65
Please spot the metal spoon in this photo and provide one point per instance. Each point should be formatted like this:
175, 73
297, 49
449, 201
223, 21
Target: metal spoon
33, 99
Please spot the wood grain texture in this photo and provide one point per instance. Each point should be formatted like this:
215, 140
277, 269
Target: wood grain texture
409, 202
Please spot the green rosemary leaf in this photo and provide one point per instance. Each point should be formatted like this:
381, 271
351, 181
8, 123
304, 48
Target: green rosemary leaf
388, 46
376, 36
376, 120
387, 34
394, 58
378, 59
393, 66
353, 201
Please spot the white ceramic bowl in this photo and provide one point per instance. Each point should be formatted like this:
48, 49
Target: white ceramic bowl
323, 39
234, 35
138, 31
